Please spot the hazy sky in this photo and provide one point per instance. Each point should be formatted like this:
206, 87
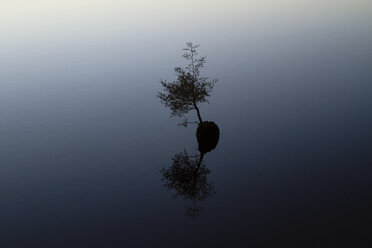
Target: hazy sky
99, 30
19, 16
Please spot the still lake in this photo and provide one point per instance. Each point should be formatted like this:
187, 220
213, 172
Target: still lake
84, 137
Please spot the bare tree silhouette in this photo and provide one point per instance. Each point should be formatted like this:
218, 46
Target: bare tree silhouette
190, 88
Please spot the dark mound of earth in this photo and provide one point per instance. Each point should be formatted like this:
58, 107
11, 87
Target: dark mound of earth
207, 135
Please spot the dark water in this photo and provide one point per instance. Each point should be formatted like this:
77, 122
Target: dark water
83, 136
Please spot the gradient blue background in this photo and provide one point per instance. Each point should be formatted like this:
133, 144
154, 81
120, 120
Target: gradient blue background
83, 136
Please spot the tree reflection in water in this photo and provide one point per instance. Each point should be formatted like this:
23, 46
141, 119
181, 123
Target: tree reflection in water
187, 176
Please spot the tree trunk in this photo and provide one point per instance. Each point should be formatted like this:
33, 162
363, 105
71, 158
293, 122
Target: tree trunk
200, 161
198, 112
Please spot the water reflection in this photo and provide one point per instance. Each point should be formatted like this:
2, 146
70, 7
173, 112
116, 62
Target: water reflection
187, 176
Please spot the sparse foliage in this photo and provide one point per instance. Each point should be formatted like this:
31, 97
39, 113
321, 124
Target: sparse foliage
188, 178
190, 88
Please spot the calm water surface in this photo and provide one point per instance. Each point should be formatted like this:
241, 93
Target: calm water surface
83, 136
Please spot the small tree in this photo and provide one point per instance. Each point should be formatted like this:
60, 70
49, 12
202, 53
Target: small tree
190, 88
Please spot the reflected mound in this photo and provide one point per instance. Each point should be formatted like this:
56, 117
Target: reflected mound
207, 135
